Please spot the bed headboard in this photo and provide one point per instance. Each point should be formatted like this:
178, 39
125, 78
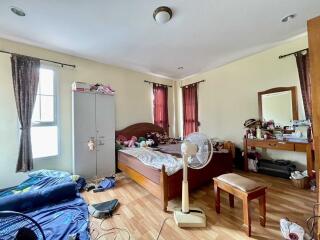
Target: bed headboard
139, 130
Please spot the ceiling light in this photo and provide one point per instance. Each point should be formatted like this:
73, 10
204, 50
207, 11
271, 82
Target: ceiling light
288, 18
162, 14
18, 11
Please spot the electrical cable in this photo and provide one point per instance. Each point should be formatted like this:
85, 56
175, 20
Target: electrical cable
162, 225
113, 228
106, 231
92, 230
116, 230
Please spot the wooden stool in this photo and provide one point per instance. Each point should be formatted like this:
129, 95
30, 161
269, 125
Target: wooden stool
246, 190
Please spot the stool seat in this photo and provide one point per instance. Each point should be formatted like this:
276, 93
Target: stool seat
245, 189
237, 181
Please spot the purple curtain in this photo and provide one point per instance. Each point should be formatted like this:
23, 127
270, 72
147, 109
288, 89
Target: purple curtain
25, 75
303, 66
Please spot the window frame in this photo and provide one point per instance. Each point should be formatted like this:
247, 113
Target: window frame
56, 102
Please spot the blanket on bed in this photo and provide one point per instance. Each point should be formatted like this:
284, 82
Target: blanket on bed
155, 159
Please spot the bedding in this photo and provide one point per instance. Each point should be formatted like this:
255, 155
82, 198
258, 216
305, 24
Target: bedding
155, 159
36, 199
38, 180
165, 154
173, 149
58, 221
53, 200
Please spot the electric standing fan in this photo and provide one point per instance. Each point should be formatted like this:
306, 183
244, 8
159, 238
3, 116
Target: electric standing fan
197, 152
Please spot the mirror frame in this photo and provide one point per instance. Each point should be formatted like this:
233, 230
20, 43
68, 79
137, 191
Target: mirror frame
281, 89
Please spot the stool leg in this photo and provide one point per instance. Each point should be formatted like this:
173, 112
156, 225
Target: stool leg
246, 216
231, 200
217, 197
262, 208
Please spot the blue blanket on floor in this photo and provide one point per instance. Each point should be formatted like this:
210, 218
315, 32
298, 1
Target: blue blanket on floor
61, 220
53, 201
40, 181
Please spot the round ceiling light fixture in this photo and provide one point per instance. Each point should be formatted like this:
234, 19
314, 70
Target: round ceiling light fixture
162, 14
288, 17
17, 11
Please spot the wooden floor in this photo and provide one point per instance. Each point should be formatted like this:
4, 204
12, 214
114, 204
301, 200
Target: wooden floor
141, 213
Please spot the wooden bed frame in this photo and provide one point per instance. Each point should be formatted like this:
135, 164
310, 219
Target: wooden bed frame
157, 182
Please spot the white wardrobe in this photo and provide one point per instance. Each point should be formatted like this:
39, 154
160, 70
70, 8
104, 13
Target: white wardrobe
93, 117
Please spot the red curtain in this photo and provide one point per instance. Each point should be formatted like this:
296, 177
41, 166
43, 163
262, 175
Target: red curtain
190, 109
160, 106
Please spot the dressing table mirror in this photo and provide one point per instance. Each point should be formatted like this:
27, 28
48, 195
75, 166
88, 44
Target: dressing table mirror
278, 104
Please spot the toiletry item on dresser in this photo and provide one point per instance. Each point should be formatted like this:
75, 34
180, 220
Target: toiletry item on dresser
258, 133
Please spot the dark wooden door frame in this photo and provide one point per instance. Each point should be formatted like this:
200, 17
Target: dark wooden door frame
314, 54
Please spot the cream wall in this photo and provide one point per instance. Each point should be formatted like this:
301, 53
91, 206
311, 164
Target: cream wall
133, 104
229, 95
226, 99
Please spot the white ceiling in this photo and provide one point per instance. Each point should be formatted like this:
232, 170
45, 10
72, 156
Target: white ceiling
202, 34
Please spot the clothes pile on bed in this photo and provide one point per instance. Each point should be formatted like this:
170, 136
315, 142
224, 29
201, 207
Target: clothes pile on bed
52, 199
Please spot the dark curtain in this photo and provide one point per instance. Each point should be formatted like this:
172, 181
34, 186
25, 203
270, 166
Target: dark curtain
160, 106
25, 75
190, 109
305, 81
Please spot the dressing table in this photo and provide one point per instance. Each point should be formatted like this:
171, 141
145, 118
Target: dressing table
280, 105
279, 145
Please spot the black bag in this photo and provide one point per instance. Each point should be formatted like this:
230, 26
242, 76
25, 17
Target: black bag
239, 160
277, 168
104, 209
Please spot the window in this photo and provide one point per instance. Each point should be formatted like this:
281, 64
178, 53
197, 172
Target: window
44, 131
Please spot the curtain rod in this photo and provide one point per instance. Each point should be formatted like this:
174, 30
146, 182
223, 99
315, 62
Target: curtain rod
193, 83
157, 83
289, 54
46, 60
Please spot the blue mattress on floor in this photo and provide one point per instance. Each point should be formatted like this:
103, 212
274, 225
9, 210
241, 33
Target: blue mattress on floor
53, 201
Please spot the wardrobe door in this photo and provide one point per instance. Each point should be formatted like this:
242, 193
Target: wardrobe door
84, 129
105, 158
105, 123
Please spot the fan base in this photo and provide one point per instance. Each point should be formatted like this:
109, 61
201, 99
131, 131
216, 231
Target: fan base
195, 218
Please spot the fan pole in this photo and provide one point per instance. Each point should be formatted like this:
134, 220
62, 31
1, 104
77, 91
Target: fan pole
194, 144
185, 186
